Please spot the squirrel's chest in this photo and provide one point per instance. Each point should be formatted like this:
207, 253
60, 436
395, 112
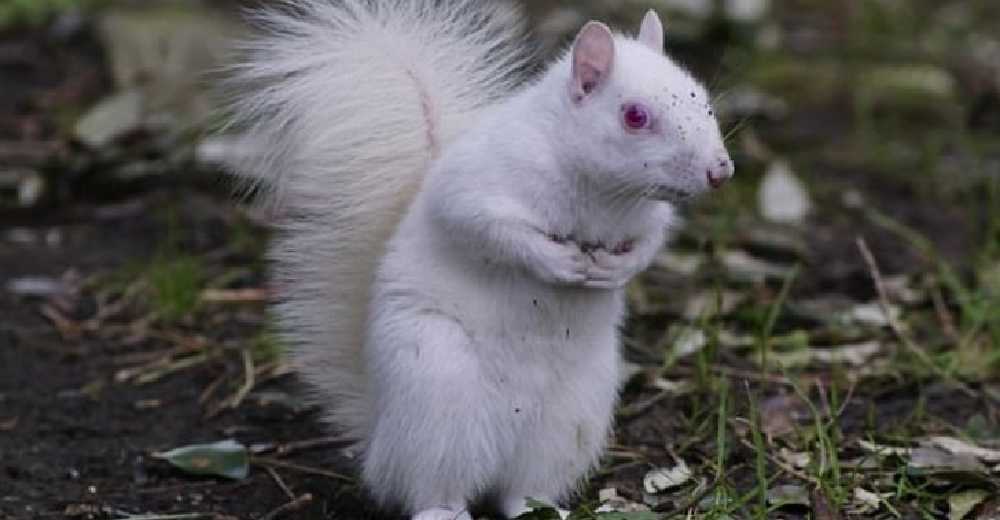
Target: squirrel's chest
598, 225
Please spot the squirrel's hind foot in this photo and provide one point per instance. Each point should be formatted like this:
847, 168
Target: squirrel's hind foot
442, 514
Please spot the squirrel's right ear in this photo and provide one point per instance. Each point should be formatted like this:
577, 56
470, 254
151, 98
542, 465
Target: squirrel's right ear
651, 31
593, 58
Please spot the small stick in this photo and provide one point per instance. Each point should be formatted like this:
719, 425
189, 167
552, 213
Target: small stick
308, 444
288, 507
883, 300
279, 481
267, 461
235, 295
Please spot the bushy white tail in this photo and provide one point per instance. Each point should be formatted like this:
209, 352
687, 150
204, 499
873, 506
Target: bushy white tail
347, 103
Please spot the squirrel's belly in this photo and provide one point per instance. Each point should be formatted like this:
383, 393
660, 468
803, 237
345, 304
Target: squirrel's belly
501, 306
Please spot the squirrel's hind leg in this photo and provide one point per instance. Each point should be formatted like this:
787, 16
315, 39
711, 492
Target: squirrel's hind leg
560, 450
431, 444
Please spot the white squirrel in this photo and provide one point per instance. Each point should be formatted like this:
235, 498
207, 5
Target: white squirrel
454, 244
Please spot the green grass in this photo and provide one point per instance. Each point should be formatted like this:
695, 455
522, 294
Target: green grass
33, 11
175, 283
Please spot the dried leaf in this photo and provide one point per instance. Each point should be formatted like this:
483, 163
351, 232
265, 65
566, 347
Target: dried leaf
960, 504
780, 415
782, 197
662, 479
855, 355
871, 313
883, 449
796, 459
938, 459
865, 502
788, 494
741, 265
673, 387
960, 447
682, 264
710, 303
612, 503
689, 340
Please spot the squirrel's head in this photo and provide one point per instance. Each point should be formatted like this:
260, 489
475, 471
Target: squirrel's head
649, 124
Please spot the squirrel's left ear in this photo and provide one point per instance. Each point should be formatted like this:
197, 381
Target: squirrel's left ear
593, 58
651, 31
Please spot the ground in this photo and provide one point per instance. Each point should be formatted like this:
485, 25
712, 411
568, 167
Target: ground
133, 321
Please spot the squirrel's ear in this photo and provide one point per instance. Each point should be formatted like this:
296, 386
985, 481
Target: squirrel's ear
651, 31
593, 58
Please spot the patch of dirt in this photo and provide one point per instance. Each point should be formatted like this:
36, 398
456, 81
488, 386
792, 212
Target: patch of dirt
77, 444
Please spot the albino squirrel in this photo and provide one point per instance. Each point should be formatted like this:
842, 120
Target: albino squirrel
453, 244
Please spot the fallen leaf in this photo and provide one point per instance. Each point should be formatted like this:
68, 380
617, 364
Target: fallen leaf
673, 387
937, 459
781, 414
742, 265
611, 502
710, 303
960, 504
855, 355
111, 118
224, 458
689, 340
883, 449
662, 479
957, 446
796, 459
864, 501
788, 494
871, 313
683, 264
782, 197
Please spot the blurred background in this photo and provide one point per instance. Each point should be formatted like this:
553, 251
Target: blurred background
843, 287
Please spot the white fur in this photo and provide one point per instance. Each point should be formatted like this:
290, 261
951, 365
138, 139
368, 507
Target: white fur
334, 99
483, 359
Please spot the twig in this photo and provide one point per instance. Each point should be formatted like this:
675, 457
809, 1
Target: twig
209, 390
743, 374
943, 315
235, 295
279, 481
248, 381
785, 467
637, 409
267, 461
308, 444
68, 328
883, 300
288, 507
847, 399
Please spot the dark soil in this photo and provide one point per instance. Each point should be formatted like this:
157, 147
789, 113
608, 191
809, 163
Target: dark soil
75, 443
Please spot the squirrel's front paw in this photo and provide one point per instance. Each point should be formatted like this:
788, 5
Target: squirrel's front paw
561, 261
611, 269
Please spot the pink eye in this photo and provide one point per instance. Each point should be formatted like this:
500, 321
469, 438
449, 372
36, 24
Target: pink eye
636, 116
